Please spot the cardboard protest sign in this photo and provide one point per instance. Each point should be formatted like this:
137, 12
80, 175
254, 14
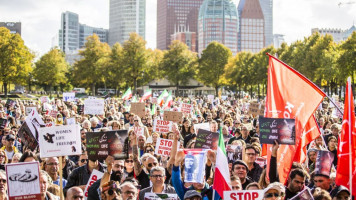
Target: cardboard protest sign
27, 138
324, 161
94, 106
244, 195
304, 195
282, 130
23, 181
206, 140
194, 166
95, 175
173, 116
68, 96
154, 196
161, 126
164, 146
204, 126
138, 108
186, 108
102, 144
256, 109
233, 152
60, 141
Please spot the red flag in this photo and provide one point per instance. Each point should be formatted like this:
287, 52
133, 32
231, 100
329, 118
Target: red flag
346, 151
289, 95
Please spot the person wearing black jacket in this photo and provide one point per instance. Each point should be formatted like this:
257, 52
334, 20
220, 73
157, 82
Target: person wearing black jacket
255, 170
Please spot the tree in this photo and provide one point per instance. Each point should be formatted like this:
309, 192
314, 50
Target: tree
51, 69
178, 64
90, 70
135, 59
347, 59
113, 76
212, 64
15, 59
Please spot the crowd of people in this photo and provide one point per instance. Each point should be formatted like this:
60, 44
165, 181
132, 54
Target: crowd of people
145, 172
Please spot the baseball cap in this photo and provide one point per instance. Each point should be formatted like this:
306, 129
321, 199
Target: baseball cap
191, 193
10, 137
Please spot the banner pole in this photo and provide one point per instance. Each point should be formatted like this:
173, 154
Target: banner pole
350, 132
61, 178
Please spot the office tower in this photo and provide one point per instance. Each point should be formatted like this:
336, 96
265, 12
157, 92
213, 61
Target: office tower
218, 21
267, 9
125, 17
184, 35
69, 32
14, 27
175, 14
278, 39
85, 31
252, 23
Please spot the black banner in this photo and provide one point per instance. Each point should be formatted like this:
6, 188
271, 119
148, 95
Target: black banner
206, 140
282, 130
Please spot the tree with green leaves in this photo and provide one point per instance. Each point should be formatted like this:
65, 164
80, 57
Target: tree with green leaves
347, 59
51, 69
90, 70
134, 59
114, 76
212, 65
15, 59
178, 64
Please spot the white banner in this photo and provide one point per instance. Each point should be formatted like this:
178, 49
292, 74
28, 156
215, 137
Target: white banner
161, 126
60, 141
154, 196
204, 126
70, 121
244, 195
68, 96
94, 106
95, 175
164, 146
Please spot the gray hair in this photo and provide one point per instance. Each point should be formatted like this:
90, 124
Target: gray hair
2, 172
158, 169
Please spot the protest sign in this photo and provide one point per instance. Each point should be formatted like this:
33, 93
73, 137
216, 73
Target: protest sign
204, 126
303, 195
262, 161
256, 109
206, 140
102, 144
29, 109
324, 161
53, 113
164, 146
44, 99
244, 195
161, 126
3, 123
173, 116
138, 130
234, 152
27, 138
138, 108
70, 121
211, 97
282, 130
60, 141
68, 96
194, 166
95, 175
34, 122
154, 196
23, 181
93, 106
186, 108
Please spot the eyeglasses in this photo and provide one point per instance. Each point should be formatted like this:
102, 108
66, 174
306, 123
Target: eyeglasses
270, 195
131, 161
111, 191
149, 150
3, 181
83, 160
2, 156
152, 164
157, 176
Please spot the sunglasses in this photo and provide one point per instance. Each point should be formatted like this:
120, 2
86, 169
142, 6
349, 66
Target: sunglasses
270, 195
157, 176
2, 156
152, 164
111, 191
149, 150
135, 120
3, 181
83, 160
129, 161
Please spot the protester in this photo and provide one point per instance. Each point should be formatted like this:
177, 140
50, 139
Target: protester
51, 166
75, 193
3, 185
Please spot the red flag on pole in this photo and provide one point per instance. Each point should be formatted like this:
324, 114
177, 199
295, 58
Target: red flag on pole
289, 95
346, 151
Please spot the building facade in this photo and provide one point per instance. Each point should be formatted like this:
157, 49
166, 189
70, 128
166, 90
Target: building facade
336, 33
125, 17
14, 27
218, 21
267, 9
278, 39
85, 31
185, 36
252, 26
175, 13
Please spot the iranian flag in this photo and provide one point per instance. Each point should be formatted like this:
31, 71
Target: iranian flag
222, 179
161, 97
146, 95
127, 95
153, 110
169, 101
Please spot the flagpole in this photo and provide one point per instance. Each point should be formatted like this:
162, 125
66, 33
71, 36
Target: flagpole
350, 132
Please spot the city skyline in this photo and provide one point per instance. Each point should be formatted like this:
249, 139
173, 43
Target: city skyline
41, 19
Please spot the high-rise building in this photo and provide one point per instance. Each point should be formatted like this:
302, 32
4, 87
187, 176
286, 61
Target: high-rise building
175, 13
252, 23
336, 33
267, 9
14, 27
184, 35
85, 31
349, 31
278, 39
218, 21
126, 16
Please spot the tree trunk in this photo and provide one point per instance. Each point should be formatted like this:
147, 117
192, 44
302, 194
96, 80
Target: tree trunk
258, 91
50, 93
239, 91
93, 89
135, 87
216, 90
177, 89
5, 89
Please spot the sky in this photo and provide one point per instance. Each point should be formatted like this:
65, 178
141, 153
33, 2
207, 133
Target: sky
41, 18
